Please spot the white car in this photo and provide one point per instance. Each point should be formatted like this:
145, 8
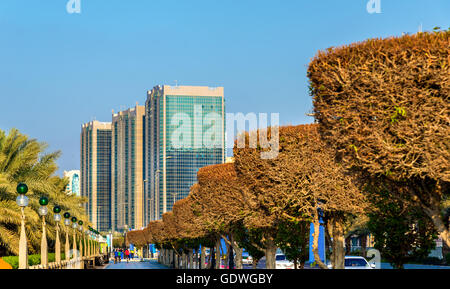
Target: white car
282, 263
247, 260
356, 262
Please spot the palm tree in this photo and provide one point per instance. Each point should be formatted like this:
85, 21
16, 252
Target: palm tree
24, 160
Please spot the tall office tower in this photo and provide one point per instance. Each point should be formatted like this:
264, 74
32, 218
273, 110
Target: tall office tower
96, 173
128, 169
185, 130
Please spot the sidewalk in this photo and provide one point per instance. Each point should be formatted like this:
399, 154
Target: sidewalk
136, 264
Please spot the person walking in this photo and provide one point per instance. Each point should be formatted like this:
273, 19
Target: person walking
127, 255
116, 256
120, 255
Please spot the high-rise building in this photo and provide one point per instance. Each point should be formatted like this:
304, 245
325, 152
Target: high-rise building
127, 163
73, 187
96, 173
184, 131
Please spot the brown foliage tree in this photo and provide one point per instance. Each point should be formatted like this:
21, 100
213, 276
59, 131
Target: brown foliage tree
383, 105
301, 179
222, 199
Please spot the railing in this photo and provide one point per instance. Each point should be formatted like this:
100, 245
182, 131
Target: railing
76, 263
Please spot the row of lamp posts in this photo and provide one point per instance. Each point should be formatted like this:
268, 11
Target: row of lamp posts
90, 244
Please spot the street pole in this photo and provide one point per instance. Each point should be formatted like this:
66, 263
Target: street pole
44, 251
67, 246
57, 219
85, 245
80, 227
22, 202
57, 245
23, 252
74, 248
43, 211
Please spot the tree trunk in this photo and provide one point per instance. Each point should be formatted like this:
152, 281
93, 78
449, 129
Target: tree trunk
191, 259
295, 264
227, 255
439, 224
348, 245
218, 259
338, 245
238, 260
202, 258
328, 236
255, 263
316, 243
364, 245
212, 258
177, 265
271, 250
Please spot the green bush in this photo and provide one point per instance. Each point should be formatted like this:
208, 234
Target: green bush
12, 260
447, 258
32, 260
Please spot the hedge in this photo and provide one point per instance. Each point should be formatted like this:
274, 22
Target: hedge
32, 260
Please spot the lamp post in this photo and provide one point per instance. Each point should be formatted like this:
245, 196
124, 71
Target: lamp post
57, 219
74, 226
67, 224
80, 227
43, 211
22, 202
85, 244
89, 241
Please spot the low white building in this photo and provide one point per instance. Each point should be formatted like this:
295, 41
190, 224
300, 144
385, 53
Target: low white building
74, 182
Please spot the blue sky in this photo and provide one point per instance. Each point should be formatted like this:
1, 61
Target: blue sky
59, 70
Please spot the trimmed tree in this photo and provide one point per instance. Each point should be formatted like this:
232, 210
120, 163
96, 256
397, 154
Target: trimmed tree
294, 185
383, 106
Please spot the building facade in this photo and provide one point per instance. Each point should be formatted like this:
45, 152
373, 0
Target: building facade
127, 163
73, 187
184, 131
96, 173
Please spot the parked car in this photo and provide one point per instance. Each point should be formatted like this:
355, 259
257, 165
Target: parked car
247, 259
282, 263
356, 262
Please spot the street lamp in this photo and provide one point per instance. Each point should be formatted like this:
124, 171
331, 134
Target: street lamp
57, 219
80, 227
22, 202
43, 211
74, 226
67, 223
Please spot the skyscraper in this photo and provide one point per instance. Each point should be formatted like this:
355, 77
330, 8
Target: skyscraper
127, 163
96, 173
184, 131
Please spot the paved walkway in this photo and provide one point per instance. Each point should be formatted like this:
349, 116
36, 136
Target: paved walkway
136, 265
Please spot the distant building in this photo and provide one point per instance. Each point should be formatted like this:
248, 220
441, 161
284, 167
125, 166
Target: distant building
229, 160
74, 182
96, 173
127, 163
184, 131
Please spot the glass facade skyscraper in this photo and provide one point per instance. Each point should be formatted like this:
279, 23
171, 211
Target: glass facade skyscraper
184, 131
96, 173
127, 169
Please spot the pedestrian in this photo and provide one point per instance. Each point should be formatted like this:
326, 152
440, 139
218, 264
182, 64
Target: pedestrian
127, 255
120, 255
116, 256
